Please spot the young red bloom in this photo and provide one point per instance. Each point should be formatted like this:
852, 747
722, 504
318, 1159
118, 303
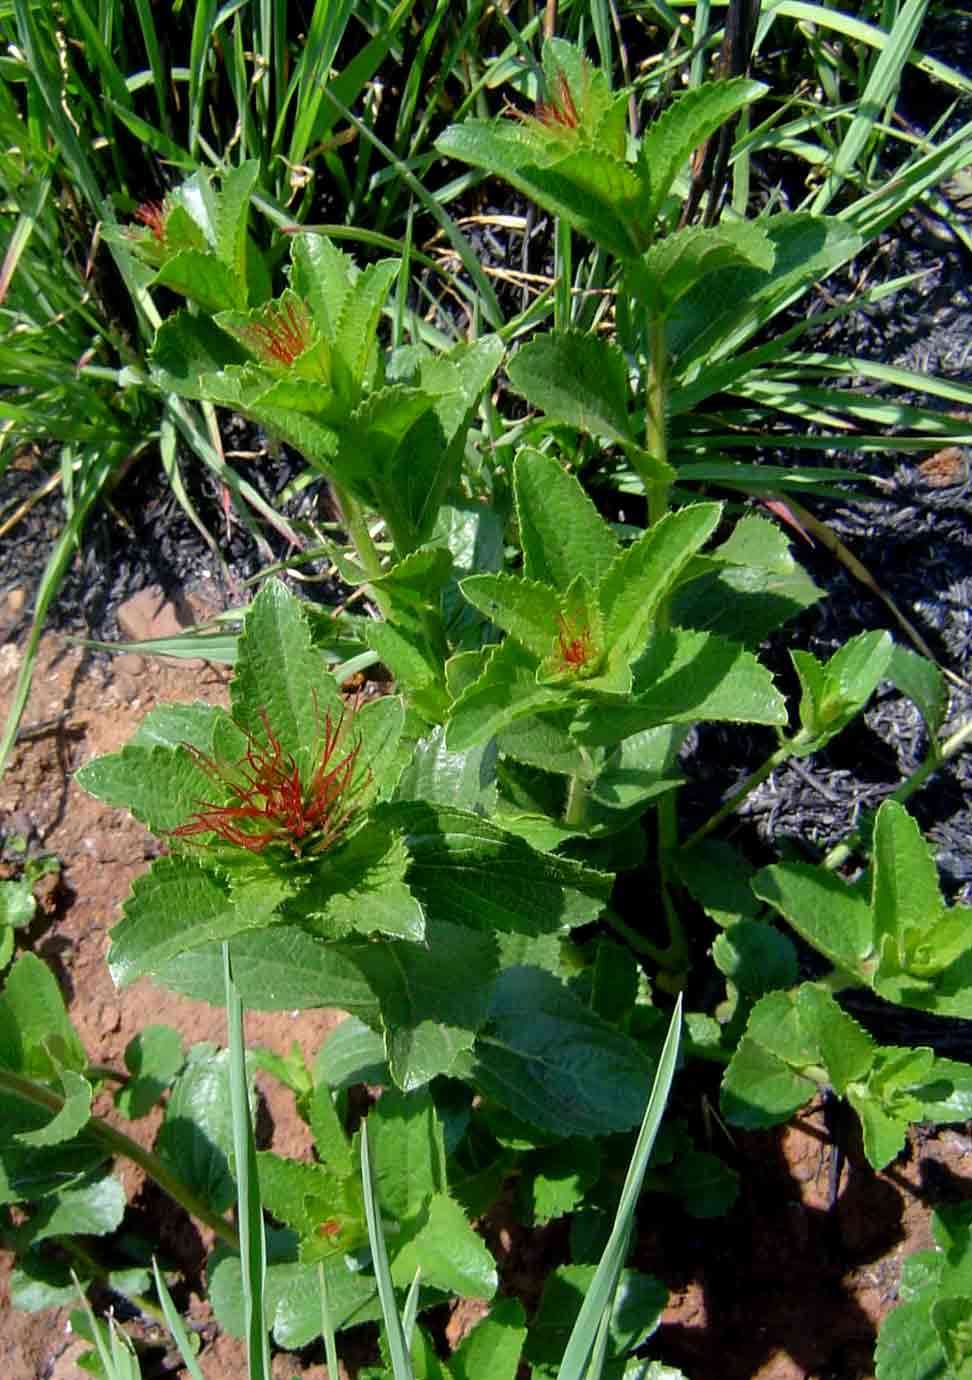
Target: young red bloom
283, 334
152, 214
268, 801
574, 651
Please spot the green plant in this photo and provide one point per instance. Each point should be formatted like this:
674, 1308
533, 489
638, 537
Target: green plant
440, 862
930, 1325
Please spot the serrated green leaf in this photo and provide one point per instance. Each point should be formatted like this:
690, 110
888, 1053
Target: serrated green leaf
279, 969
178, 906
677, 133
526, 609
202, 277
832, 916
188, 349
597, 196
280, 673
759, 1089
160, 786
292, 1298
847, 1050
229, 221
196, 1137
94, 1208
578, 379
72, 1118
554, 1062
564, 1173
686, 677
466, 779
360, 888
434, 997
561, 532
640, 768
468, 871
321, 275
906, 902
675, 264
447, 1254
355, 330
506, 690
173, 725
641, 576
37, 1038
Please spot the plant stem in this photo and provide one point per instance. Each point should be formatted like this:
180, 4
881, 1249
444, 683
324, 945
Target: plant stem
575, 813
117, 1143
728, 806
357, 529
656, 421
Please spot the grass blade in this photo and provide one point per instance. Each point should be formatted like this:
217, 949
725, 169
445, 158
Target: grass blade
600, 1296
175, 1325
397, 1348
253, 1253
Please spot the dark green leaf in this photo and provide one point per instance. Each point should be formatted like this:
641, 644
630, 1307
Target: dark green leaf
578, 379
554, 1062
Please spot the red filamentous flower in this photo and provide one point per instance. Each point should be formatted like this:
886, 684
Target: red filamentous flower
268, 801
152, 214
283, 334
575, 650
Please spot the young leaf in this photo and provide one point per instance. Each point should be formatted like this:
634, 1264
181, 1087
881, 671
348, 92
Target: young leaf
641, 577
578, 379
281, 674
828, 913
527, 610
506, 690
906, 902
562, 533
673, 266
685, 125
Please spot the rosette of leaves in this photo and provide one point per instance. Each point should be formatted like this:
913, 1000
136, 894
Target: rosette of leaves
570, 156
355, 886
307, 364
801, 1041
890, 930
195, 241
592, 681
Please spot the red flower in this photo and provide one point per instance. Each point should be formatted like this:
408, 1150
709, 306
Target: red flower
153, 214
268, 801
575, 651
283, 334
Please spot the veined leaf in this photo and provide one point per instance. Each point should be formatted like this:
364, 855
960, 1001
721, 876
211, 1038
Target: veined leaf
576, 378
562, 533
